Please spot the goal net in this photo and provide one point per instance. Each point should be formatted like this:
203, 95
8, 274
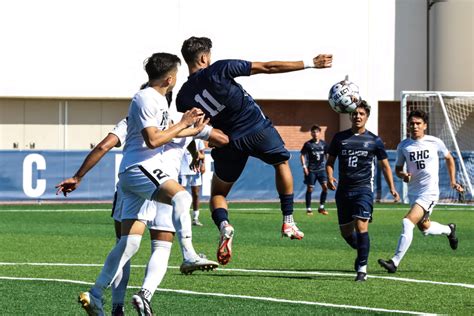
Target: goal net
451, 118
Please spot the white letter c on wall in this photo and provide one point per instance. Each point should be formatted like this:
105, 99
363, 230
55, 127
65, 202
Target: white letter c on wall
28, 175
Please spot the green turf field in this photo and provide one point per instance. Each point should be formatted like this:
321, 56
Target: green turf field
49, 253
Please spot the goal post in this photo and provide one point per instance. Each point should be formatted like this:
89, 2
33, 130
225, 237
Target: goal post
451, 118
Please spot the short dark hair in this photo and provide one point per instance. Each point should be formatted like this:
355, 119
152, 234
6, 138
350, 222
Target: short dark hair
193, 47
160, 64
315, 128
419, 113
364, 105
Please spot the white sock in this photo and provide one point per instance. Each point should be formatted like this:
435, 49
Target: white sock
181, 202
362, 269
404, 242
124, 250
321, 206
288, 219
437, 229
119, 285
195, 215
157, 265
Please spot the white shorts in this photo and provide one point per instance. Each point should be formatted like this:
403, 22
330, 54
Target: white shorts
139, 184
427, 202
193, 180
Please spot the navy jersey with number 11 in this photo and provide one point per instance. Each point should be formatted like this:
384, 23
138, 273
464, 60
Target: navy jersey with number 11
214, 90
356, 154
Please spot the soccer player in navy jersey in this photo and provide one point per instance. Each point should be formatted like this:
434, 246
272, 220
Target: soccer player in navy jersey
356, 149
212, 88
313, 159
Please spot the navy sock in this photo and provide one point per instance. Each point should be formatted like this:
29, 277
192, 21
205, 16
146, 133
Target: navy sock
308, 199
363, 248
286, 204
352, 240
323, 197
219, 215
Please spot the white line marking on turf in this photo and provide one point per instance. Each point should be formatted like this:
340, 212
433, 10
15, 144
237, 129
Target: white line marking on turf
465, 285
257, 298
230, 209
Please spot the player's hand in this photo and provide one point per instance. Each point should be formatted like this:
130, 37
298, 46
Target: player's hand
305, 170
67, 186
407, 177
457, 187
396, 196
192, 116
323, 61
332, 183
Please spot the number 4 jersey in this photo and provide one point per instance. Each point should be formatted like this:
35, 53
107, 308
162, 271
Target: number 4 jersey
422, 162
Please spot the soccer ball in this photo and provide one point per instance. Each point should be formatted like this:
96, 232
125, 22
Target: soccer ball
344, 96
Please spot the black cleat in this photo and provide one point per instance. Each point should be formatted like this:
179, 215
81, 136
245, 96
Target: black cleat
141, 304
388, 265
453, 240
118, 310
361, 277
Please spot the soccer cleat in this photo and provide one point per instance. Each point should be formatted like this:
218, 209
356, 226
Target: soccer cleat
200, 263
453, 240
196, 222
309, 213
118, 310
323, 211
290, 230
361, 277
141, 304
92, 305
224, 252
388, 265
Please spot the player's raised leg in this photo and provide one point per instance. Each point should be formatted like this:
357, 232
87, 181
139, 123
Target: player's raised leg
218, 205
284, 184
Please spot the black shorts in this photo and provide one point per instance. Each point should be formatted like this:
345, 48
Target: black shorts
312, 176
354, 204
265, 144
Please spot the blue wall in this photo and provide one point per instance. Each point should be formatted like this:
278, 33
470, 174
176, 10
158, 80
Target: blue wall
32, 175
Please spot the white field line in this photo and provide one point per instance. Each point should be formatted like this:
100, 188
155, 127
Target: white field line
254, 271
257, 298
230, 209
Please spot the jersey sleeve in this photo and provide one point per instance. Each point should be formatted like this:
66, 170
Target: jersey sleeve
442, 147
146, 112
380, 149
120, 130
400, 157
333, 148
304, 149
231, 68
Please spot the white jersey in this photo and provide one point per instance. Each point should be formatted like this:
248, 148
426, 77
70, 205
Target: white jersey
148, 108
188, 159
120, 130
422, 162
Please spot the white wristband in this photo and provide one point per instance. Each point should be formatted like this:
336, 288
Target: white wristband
205, 133
308, 63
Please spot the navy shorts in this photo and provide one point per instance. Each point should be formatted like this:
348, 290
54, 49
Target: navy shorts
265, 144
354, 204
312, 176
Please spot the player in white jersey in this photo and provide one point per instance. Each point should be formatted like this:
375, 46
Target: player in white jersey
420, 155
142, 179
162, 221
193, 176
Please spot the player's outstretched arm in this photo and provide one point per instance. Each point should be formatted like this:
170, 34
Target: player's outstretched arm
387, 173
276, 67
71, 184
450, 164
330, 172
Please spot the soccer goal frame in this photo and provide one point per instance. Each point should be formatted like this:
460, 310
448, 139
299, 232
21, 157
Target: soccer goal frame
447, 108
